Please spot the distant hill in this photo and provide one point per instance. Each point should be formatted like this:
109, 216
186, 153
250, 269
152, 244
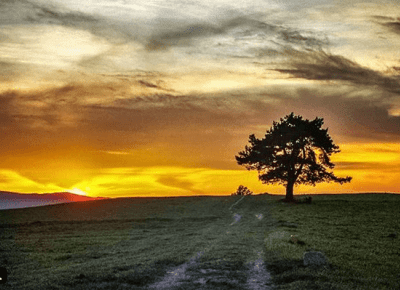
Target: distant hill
9, 200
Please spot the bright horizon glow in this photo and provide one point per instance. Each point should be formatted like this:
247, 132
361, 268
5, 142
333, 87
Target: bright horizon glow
77, 191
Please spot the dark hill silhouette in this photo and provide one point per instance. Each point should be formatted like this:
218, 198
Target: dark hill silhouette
10, 200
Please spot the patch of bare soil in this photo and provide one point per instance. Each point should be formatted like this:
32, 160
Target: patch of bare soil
258, 277
216, 274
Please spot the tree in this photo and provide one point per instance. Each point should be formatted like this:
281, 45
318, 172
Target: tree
293, 151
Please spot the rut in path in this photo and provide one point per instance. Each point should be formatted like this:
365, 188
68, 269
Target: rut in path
258, 278
175, 276
200, 273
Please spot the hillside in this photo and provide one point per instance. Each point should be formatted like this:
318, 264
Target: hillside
11, 200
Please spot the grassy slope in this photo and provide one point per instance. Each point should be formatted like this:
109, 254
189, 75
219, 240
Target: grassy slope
128, 243
119, 244
352, 230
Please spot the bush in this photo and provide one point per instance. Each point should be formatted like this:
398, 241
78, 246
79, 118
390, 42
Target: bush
242, 190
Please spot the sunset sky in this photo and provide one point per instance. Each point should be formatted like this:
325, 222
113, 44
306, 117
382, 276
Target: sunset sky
149, 97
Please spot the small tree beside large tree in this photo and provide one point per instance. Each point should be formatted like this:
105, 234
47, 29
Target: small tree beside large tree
293, 151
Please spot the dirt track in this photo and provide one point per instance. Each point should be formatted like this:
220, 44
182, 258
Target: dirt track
243, 268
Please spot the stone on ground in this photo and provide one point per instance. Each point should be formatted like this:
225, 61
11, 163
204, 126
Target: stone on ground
314, 258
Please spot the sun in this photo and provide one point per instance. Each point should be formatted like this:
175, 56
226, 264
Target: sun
77, 191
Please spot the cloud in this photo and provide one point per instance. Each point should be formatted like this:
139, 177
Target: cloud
103, 111
7, 70
323, 66
11, 70
185, 131
158, 181
177, 182
374, 171
14, 181
18, 12
235, 36
354, 113
147, 41
391, 23
359, 166
31, 13
66, 105
46, 110
183, 33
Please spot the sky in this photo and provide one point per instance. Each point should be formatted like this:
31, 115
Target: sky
155, 98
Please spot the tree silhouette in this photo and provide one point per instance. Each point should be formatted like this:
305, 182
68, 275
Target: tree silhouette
293, 151
242, 190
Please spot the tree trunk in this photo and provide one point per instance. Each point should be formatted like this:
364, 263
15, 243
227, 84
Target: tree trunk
289, 191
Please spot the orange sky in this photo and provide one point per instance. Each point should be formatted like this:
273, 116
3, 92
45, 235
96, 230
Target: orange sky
137, 98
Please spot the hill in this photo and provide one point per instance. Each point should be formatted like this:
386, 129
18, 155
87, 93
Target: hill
11, 200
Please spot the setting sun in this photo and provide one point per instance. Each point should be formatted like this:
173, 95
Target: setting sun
77, 191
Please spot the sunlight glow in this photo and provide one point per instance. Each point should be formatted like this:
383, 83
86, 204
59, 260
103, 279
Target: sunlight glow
77, 191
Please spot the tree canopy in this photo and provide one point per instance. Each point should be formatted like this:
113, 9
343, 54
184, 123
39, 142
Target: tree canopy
294, 151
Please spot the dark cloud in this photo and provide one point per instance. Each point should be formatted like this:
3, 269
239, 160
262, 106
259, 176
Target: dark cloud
148, 84
351, 114
112, 107
393, 24
382, 150
182, 34
9, 70
357, 165
363, 166
183, 130
17, 12
162, 123
28, 12
323, 66
238, 27
247, 35
43, 110
6, 118
160, 85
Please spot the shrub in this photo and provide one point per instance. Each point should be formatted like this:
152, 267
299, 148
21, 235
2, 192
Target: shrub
242, 190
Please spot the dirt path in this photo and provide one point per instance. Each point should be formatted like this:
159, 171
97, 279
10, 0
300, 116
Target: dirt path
233, 261
258, 277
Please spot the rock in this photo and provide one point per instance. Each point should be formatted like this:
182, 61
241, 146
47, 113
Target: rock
3, 275
314, 258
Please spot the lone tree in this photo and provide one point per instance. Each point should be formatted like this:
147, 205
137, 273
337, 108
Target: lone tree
293, 151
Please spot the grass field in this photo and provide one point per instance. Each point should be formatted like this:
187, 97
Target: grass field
354, 232
133, 243
125, 243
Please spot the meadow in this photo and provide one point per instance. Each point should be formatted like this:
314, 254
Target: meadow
358, 233
133, 243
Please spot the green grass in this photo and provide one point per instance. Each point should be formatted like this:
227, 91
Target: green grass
116, 244
132, 243
351, 230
